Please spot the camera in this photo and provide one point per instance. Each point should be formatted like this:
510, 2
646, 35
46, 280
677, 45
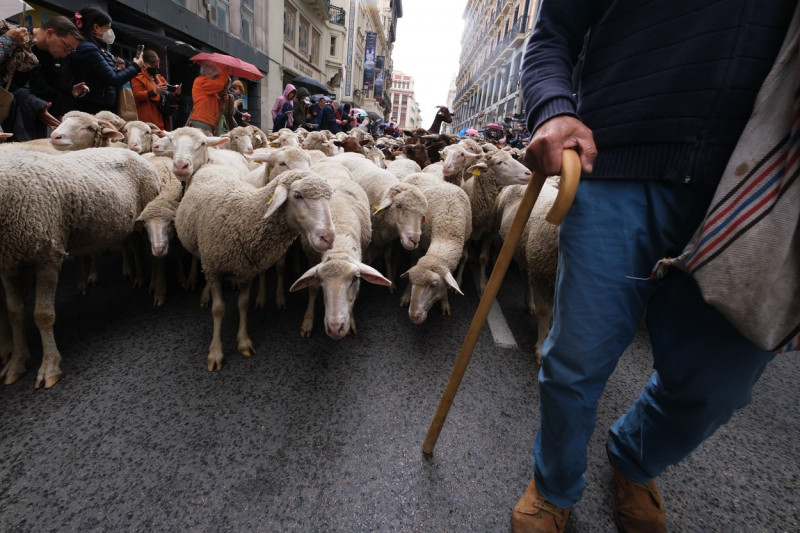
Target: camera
171, 88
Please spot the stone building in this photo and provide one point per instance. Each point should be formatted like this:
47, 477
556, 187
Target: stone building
284, 39
492, 46
405, 109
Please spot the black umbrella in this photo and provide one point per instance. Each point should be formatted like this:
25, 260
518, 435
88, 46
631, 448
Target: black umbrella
311, 84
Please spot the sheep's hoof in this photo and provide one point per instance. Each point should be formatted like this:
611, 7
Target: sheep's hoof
158, 301
48, 381
280, 303
247, 349
306, 332
12, 378
214, 365
260, 303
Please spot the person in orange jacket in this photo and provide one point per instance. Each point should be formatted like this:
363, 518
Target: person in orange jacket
205, 97
151, 92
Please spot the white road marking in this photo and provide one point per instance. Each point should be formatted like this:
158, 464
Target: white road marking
497, 322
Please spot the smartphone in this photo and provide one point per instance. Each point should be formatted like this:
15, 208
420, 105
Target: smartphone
139, 51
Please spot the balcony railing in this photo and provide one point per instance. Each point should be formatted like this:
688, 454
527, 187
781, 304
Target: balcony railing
336, 14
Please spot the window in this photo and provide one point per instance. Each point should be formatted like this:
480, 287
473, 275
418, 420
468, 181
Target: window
247, 21
289, 17
333, 46
218, 13
316, 37
302, 35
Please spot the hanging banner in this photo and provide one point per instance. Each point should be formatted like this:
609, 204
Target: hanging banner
379, 62
369, 60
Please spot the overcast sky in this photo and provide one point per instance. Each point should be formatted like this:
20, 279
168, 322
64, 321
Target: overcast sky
428, 46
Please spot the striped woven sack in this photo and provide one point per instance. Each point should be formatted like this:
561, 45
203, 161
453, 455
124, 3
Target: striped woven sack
745, 256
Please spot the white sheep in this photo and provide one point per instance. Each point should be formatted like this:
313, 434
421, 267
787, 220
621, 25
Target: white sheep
491, 171
54, 205
536, 252
238, 231
189, 148
400, 168
448, 224
80, 130
399, 208
241, 140
112, 118
339, 270
284, 137
139, 135
456, 158
318, 140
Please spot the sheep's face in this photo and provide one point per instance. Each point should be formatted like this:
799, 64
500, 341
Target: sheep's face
190, 150
427, 288
158, 218
81, 130
288, 158
507, 170
406, 209
241, 140
139, 135
340, 280
308, 210
456, 160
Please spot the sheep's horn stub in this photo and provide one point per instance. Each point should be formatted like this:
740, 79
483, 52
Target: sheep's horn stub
568, 186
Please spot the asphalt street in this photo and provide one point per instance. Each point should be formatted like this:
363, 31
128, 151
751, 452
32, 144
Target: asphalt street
322, 435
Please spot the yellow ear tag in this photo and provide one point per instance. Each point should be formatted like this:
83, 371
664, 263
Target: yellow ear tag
377, 207
271, 198
476, 172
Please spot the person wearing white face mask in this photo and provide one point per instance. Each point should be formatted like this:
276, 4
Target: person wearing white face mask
95, 66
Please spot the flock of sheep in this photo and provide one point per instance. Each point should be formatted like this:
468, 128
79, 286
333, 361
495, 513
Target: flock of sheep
237, 202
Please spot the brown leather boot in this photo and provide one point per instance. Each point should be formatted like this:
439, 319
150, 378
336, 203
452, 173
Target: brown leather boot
534, 514
637, 507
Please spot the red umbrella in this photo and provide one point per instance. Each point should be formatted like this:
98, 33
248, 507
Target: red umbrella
237, 67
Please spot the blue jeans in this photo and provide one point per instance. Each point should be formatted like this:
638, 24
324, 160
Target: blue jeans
704, 369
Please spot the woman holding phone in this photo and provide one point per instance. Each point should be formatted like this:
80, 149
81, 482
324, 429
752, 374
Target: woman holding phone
153, 95
95, 66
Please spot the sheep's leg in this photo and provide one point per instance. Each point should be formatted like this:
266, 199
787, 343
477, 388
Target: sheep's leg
445, 303
94, 270
194, 274
127, 272
544, 297
245, 347
138, 259
158, 281
462, 263
15, 301
530, 302
261, 296
205, 297
308, 318
280, 292
486, 245
217, 311
44, 314
177, 252
6, 343
81, 282
389, 267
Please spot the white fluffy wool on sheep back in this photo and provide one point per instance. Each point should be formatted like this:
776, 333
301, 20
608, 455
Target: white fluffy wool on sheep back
238, 231
53, 205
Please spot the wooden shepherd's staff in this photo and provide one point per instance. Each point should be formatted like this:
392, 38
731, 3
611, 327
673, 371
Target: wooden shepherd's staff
570, 175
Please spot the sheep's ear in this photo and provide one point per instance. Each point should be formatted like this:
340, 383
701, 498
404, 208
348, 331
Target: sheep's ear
217, 141
387, 202
338, 143
277, 200
404, 275
470, 155
478, 166
373, 276
111, 134
306, 280
260, 156
452, 282
4, 135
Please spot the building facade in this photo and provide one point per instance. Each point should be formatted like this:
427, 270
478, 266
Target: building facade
492, 46
405, 109
343, 45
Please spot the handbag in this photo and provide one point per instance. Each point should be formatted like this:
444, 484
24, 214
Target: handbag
745, 256
126, 105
